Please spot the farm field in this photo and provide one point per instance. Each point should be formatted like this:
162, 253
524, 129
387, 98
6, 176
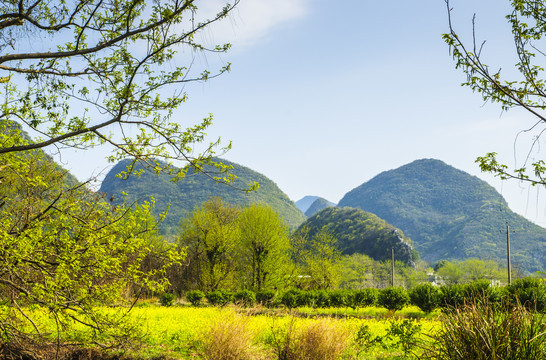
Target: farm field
185, 332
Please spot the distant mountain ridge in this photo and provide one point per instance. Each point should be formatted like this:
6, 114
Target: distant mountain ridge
184, 196
449, 214
318, 205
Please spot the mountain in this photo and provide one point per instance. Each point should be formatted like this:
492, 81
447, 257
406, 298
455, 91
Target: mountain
183, 196
318, 205
450, 214
305, 202
358, 231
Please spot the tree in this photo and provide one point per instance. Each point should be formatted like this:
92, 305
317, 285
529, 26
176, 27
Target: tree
97, 74
264, 246
524, 89
210, 236
66, 249
317, 259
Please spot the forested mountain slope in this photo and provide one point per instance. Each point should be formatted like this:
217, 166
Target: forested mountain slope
317, 205
193, 190
450, 214
361, 232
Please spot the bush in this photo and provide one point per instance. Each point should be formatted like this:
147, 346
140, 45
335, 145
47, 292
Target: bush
393, 298
529, 292
451, 296
480, 289
167, 299
482, 330
322, 298
244, 298
195, 297
338, 298
229, 340
307, 298
426, 296
265, 297
291, 298
362, 298
219, 297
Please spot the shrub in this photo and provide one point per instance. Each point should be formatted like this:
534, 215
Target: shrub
244, 298
167, 299
338, 298
306, 298
426, 296
219, 297
322, 298
393, 298
363, 298
265, 297
481, 330
195, 297
451, 296
480, 289
530, 292
290, 298
229, 340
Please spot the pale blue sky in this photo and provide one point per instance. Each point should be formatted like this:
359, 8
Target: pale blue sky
325, 95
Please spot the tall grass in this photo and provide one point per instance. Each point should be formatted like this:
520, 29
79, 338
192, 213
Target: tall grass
481, 331
229, 340
324, 339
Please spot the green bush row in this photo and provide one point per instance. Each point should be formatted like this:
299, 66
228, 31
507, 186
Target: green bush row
529, 292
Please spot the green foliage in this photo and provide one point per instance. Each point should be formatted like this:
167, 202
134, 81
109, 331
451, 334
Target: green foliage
529, 292
244, 298
449, 214
426, 296
404, 334
481, 330
339, 298
469, 270
167, 299
183, 196
67, 250
195, 297
522, 88
357, 231
292, 298
265, 297
219, 297
393, 298
93, 83
317, 205
363, 298
316, 259
211, 239
452, 296
264, 248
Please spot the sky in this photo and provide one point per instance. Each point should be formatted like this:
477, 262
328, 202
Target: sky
323, 96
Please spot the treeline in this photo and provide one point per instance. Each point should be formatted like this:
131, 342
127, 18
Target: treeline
251, 248
529, 292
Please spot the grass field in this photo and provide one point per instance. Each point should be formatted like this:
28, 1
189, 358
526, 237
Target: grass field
185, 332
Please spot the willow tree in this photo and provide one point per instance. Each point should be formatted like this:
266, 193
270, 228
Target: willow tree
524, 88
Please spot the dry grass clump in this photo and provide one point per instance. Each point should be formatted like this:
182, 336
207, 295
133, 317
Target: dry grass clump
321, 340
229, 340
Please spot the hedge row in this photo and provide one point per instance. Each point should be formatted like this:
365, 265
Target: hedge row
530, 292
